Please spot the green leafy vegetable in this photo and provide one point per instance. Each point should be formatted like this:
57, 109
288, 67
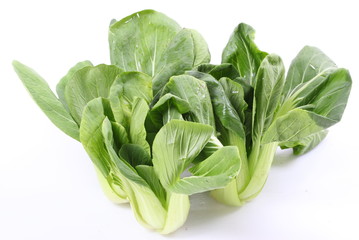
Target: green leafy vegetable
292, 112
162, 123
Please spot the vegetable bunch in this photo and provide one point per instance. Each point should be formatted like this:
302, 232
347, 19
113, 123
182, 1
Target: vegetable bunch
161, 123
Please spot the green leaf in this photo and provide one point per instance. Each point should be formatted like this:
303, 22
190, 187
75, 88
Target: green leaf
219, 71
223, 161
122, 165
47, 100
193, 91
267, 91
199, 48
137, 124
214, 172
95, 112
175, 146
224, 70
157, 46
167, 108
306, 144
187, 50
211, 147
306, 72
135, 155
120, 135
61, 86
247, 89
138, 42
325, 109
332, 96
222, 106
296, 125
149, 175
204, 68
89, 83
235, 95
125, 89
242, 52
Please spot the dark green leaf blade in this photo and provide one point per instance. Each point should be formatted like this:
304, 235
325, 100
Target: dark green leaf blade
235, 95
135, 155
242, 52
224, 70
306, 144
296, 125
218, 71
204, 68
306, 72
332, 98
193, 91
267, 91
222, 106
120, 135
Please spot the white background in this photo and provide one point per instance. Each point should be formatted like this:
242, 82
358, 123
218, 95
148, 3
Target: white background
48, 187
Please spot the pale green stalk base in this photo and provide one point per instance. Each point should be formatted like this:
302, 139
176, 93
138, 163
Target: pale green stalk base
228, 195
177, 212
260, 173
114, 193
147, 208
235, 194
151, 213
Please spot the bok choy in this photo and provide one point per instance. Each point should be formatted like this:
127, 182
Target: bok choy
291, 111
161, 123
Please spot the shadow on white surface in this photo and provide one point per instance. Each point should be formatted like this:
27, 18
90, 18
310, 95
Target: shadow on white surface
205, 209
284, 157
206, 215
